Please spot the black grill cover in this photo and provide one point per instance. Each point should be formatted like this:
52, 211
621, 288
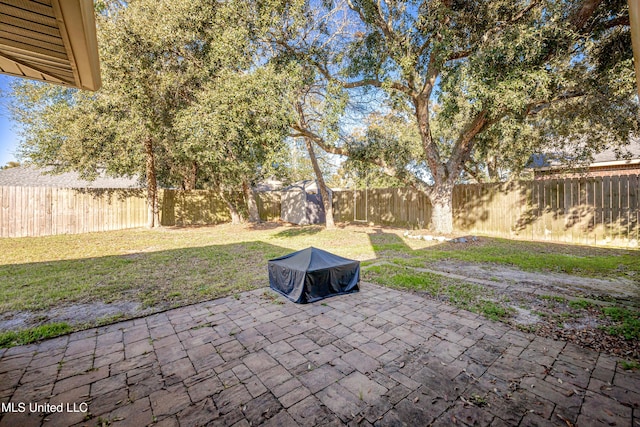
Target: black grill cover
313, 274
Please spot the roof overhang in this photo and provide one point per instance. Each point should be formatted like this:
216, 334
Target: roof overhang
615, 163
50, 40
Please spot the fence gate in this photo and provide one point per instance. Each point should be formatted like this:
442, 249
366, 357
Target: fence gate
361, 205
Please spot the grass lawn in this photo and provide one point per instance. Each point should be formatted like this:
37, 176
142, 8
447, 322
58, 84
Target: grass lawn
154, 267
177, 266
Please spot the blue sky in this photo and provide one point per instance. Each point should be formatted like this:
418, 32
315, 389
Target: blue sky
8, 136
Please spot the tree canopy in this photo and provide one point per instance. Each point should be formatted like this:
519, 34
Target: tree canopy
480, 83
235, 130
185, 99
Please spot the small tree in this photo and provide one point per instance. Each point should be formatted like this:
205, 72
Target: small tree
235, 129
10, 165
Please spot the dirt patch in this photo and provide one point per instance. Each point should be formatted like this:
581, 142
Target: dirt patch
555, 305
74, 314
524, 316
619, 288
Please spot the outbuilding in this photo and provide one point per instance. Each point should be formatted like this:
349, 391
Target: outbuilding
301, 203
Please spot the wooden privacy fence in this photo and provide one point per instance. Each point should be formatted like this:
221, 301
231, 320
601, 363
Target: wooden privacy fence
203, 207
398, 207
42, 211
595, 211
196, 207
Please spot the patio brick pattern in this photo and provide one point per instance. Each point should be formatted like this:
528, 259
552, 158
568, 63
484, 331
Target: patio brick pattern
380, 357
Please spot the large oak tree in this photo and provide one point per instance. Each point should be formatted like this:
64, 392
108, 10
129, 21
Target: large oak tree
479, 83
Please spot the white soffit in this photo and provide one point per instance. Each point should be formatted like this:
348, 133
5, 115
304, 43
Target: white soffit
50, 40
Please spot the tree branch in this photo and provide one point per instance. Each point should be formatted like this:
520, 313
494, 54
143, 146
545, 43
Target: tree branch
621, 21
536, 106
518, 16
473, 174
464, 144
459, 55
306, 133
301, 132
347, 85
584, 13
383, 24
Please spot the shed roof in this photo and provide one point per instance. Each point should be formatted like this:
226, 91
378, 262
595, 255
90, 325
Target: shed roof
307, 186
50, 40
31, 176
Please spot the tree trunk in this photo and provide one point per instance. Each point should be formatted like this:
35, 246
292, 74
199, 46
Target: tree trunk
236, 217
252, 205
441, 198
441, 193
326, 200
189, 182
492, 169
152, 186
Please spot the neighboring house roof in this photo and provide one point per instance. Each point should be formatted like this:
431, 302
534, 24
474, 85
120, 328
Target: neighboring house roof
624, 156
52, 40
30, 176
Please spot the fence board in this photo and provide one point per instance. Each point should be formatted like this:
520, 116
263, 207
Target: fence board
269, 205
40, 211
594, 210
634, 201
15, 200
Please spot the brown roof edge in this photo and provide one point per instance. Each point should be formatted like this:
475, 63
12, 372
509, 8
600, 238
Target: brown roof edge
78, 28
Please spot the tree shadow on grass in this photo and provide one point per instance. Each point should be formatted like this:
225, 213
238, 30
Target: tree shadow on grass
265, 225
91, 291
308, 230
560, 257
385, 244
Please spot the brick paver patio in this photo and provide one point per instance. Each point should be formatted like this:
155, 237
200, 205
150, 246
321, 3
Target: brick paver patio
379, 357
